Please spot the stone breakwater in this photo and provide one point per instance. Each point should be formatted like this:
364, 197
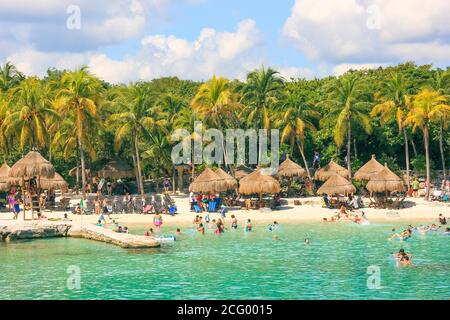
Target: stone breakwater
45, 229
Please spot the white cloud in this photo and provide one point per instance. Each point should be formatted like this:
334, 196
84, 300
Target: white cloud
231, 54
43, 24
368, 32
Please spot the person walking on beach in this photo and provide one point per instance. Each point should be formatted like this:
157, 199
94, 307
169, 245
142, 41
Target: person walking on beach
415, 187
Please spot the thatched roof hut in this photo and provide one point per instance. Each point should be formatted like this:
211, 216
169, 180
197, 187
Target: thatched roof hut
329, 170
117, 169
336, 184
242, 171
32, 165
369, 169
5, 180
385, 181
229, 180
208, 181
73, 171
259, 182
290, 169
57, 182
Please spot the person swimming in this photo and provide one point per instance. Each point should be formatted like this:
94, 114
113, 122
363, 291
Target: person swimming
406, 234
201, 229
307, 242
178, 233
273, 226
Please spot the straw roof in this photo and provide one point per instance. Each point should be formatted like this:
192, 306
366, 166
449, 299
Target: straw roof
5, 181
229, 180
117, 169
73, 171
57, 182
242, 171
290, 169
369, 169
336, 184
32, 165
329, 170
385, 181
259, 182
208, 181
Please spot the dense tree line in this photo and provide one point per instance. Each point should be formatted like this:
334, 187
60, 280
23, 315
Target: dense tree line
399, 113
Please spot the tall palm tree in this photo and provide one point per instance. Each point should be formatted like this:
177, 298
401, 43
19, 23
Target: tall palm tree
260, 94
215, 102
4, 140
346, 111
440, 82
77, 97
30, 105
136, 120
428, 106
395, 105
295, 116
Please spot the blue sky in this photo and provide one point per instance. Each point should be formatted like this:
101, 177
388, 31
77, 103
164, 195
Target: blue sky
128, 40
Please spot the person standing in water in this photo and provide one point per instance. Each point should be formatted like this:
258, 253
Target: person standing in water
234, 222
248, 226
157, 220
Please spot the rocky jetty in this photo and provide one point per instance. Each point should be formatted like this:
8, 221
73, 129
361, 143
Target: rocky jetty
46, 229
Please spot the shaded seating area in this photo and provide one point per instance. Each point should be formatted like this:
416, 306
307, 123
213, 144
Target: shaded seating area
336, 186
290, 170
258, 183
387, 190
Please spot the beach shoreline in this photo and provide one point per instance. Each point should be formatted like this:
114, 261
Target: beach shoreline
310, 211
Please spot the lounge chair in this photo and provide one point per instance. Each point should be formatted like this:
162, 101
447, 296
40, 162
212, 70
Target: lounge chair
212, 206
197, 208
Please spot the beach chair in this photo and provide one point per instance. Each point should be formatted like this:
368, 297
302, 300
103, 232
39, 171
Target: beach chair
212, 206
172, 210
197, 208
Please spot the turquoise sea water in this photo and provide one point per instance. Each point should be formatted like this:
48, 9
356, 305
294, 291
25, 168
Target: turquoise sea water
234, 265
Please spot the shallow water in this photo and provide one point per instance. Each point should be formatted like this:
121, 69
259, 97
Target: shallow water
234, 265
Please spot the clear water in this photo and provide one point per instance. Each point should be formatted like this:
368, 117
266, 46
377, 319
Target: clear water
232, 266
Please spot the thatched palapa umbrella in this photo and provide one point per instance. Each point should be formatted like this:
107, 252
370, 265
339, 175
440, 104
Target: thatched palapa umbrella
5, 180
385, 181
229, 180
57, 182
329, 170
336, 185
117, 169
242, 171
259, 182
32, 165
208, 181
371, 168
73, 171
290, 169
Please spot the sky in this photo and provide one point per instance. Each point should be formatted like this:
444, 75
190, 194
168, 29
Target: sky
131, 40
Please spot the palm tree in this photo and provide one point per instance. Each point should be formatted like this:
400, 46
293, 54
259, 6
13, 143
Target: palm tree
428, 106
215, 102
346, 111
9, 76
395, 105
296, 116
136, 120
440, 82
77, 97
30, 105
260, 94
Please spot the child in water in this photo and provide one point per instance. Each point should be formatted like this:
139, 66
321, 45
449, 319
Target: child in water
201, 229
234, 224
248, 226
